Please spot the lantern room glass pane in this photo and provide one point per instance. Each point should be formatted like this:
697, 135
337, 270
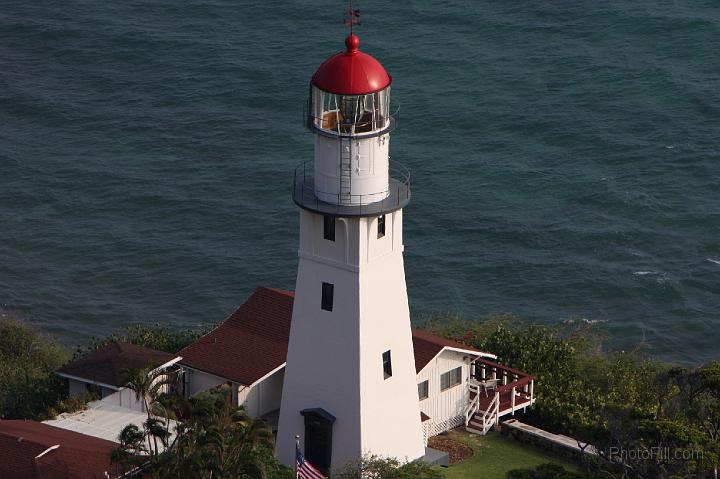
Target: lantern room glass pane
351, 114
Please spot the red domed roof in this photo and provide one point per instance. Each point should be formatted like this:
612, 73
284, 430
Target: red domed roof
351, 72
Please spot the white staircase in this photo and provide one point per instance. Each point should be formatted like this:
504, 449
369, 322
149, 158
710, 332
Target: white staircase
477, 421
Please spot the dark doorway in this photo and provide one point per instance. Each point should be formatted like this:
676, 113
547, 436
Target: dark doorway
318, 437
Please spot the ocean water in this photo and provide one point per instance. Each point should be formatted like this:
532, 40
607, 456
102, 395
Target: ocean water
565, 159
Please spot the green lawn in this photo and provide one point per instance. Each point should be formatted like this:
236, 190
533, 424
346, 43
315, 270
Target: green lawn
495, 455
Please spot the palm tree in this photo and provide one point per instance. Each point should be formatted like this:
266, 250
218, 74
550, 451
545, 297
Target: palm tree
219, 441
149, 384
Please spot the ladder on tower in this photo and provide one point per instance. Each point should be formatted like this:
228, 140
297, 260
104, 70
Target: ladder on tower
345, 172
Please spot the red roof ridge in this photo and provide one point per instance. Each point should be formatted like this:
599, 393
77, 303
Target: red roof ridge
277, 290
425, 335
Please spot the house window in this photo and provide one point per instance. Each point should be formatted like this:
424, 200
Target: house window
381, 226
451, 378
327, 296
423, 390
329, 227
387, 364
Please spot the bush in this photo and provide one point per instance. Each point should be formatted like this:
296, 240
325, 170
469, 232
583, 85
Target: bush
546, 471
28, 361
373, 467
158, 337
68, 404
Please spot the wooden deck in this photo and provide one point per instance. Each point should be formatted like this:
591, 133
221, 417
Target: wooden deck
522, 400
496, 391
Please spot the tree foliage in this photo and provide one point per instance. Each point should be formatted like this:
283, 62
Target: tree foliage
216, 441
28, 360
374, 467
645, 419
157, 336
547, 471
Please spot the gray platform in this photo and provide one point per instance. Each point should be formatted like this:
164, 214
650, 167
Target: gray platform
436, 458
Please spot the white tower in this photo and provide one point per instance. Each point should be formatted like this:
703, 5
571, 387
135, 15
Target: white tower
350, 384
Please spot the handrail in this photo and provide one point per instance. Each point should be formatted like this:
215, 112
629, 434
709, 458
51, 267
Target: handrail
494, 406
474, 405
515, 384
500, 366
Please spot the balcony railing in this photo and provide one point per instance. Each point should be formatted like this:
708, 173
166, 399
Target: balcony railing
514, 389
350, 205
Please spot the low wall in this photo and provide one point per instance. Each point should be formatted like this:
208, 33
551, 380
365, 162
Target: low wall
556, 444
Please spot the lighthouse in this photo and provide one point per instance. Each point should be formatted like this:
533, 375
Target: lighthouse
349, 387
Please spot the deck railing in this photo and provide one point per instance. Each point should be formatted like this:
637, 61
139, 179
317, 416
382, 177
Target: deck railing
512, 382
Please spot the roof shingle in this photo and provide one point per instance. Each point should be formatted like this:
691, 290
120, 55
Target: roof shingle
253, 341
26, 454
110, 363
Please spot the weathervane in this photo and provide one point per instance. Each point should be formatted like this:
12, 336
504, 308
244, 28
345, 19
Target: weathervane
352, 18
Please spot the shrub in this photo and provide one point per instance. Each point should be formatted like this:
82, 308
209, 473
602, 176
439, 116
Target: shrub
373, 467
28, 360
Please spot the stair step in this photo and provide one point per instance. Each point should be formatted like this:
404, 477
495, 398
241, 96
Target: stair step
474, 431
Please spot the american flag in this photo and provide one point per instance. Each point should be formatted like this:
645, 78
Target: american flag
305, 470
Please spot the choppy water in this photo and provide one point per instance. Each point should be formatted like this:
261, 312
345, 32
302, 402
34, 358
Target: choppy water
564, 154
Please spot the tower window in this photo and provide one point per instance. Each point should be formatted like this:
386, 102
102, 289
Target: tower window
423, 390
387, 364
327, 296
381, 226
329, 227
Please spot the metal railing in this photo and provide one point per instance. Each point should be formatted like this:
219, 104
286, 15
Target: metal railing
359, 129
396, 196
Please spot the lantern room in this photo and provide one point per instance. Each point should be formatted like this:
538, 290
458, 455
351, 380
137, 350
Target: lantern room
350, 94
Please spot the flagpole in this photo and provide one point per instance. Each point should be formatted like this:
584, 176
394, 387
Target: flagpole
297, 452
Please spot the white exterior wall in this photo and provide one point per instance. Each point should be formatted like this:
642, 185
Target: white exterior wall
335, 358
369, 168
198, 381
263, 397
125, 397
77, 388
445, 408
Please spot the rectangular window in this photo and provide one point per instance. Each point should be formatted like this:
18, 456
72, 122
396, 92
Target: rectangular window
387, 364
423, 390
329, 227
381, 226
451, 378
327, 296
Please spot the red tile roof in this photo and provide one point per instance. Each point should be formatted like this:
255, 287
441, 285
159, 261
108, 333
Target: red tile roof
428, 345
110, 363
253, 341
25, 452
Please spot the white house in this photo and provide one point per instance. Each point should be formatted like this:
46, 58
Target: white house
105, 371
